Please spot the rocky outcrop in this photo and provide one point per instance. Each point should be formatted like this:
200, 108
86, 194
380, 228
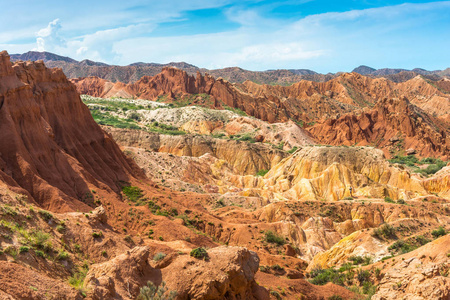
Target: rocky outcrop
228, 273
244, 158
389, 120
52, 148
121, 277
329, 172
420, 274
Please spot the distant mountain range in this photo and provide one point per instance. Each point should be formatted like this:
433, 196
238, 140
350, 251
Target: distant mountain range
133, 72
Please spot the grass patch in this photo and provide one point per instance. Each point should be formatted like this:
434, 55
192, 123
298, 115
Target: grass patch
384, 232
272, 237
434, 164
262, 173
438, 232
199, 253
159, 256
133, 193
164, 129
109, 120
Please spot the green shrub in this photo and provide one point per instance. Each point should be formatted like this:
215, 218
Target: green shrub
40, 240
409, 160
422, 240
358, 260
133, 193
77, 279
40, 253
262, 173
199, 253
293, 150
264, 269
277, 268
335, 297
45, 215
151, 292
323, 276
62, 255
60, 228
388, 200
401, 201
276, 294
362, 276
24, 249
159, 256
439, 232
272, 237
97, 234
401, 246
386, 231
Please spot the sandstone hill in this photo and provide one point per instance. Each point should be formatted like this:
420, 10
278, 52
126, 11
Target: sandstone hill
213, 203
364, 108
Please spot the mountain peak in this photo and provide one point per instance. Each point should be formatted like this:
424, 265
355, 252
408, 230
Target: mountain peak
364, 70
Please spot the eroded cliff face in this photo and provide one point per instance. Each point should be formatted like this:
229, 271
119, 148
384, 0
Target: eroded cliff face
243, 158
336, 96
327, 173
51, 147
350, 108
390, 122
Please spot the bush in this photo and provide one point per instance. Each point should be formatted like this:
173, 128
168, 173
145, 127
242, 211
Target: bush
24, 249
273, 238
62, 255
159, 256
358, 260
293, 150
40, 253
262, 173
401, 246
388, 200
97, 234
199, 253
45, 215
362, 276
409, 160
323, 276
386, 231
60, 228
40, 240
77, 279
133, 193
151, 292
335, 297
276, 294
422, 240
438, 232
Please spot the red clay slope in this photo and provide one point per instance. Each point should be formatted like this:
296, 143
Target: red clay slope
50, 146
390, 122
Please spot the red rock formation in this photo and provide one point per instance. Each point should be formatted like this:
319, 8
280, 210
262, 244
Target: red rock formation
390, 121
326, 102
50, 145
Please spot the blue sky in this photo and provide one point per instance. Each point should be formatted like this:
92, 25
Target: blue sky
325, 36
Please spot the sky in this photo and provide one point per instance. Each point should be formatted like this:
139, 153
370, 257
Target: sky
324, 36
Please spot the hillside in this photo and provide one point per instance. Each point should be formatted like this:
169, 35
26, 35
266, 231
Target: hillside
352, 97
216, 191
134, 71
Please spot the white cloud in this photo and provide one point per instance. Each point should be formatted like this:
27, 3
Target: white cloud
334, 41
49, 39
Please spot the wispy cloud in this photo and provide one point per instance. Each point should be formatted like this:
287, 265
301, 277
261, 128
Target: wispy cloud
407, 35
